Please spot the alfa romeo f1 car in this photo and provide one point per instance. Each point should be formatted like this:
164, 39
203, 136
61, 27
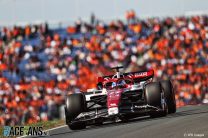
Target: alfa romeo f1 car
122, 96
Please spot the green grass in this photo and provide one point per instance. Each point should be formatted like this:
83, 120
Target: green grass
48, 124
45, 124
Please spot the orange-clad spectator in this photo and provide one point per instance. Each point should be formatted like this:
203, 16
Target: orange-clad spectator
71, 30
100, 29
1, 56
3, 67
63, 85
127, 15
137, 28
27, 31
132, 14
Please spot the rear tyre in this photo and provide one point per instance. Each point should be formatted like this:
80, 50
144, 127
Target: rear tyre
169, 95
75, 104
153, 98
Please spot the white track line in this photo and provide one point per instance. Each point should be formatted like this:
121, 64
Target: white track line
45, 130
55, 128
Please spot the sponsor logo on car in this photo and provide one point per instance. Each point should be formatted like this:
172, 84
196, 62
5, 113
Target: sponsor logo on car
141, 74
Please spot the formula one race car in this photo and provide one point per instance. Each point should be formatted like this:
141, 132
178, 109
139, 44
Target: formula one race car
122, 96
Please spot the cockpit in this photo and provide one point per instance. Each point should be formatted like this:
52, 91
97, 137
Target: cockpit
120, 83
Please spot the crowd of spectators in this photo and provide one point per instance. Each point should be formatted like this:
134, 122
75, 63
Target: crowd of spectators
39, 65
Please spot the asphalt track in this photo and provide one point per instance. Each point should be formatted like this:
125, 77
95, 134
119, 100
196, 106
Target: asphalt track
189, 121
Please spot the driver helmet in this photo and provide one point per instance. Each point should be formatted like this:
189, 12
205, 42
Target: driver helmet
113, 84
121, 83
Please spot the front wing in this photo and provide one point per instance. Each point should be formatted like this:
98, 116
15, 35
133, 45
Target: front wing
102, 115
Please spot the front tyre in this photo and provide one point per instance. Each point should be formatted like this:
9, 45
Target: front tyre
75, 104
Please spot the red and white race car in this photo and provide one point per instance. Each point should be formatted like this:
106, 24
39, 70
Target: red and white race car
120, 97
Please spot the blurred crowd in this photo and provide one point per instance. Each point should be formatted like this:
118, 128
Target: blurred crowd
40, 65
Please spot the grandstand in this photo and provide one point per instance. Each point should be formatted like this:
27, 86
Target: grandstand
39, 65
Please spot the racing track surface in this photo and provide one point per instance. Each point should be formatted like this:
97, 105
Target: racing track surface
189, 120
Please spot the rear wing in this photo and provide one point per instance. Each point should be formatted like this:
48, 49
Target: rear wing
136, 76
